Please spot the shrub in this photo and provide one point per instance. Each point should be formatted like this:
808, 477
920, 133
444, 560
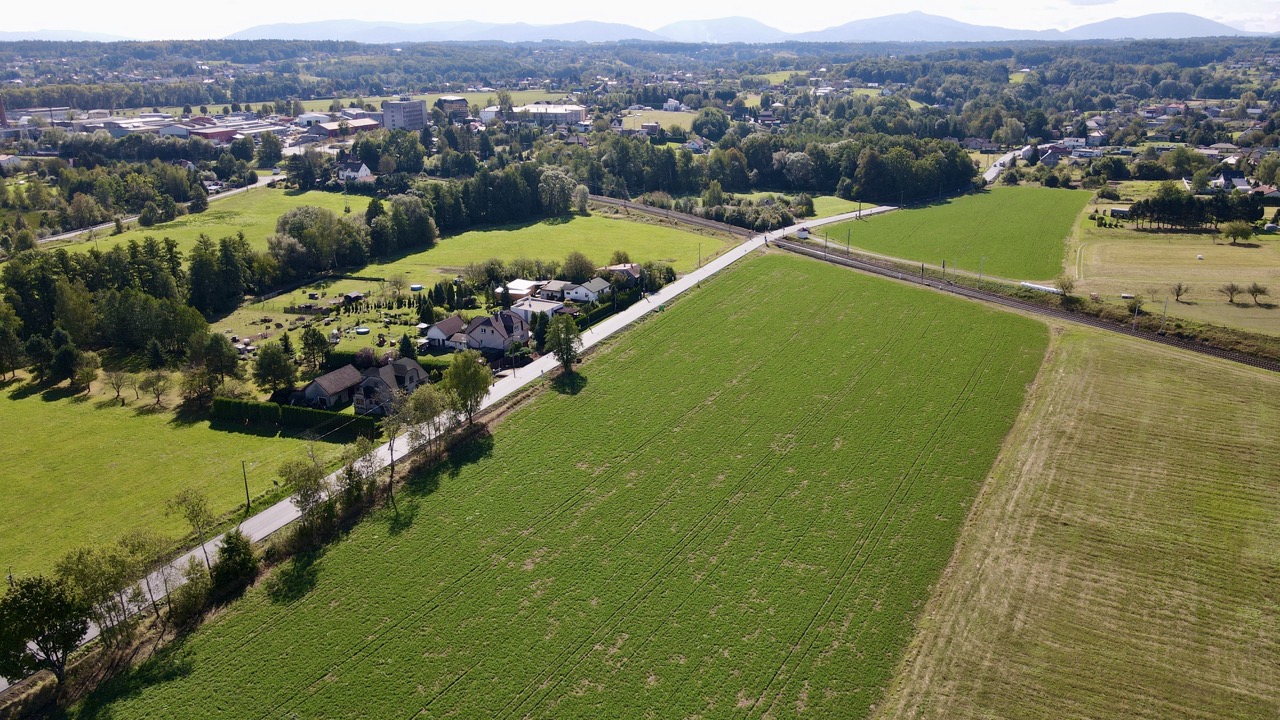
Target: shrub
236, 566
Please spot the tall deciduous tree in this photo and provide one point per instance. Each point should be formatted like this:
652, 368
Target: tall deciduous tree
41, 622
304, 479
193, 506
468, 380
577, 268
564, 340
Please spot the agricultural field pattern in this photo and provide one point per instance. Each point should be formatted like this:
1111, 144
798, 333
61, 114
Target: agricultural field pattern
739, 509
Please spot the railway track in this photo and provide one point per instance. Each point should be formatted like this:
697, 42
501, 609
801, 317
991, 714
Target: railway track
891, 271
673, 215
1010, 302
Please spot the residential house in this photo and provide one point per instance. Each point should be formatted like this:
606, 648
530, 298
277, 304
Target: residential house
438, 335
354, 172
628, 273
1051, 155
519, 289
497, 332
379, 385
354, 296
10, 162
333, 389
556, 290
1096, 138
1269, 193
589, 291
528, 307
673, 105
1230, 180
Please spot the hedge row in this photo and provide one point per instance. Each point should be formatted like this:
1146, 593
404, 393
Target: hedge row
247, 412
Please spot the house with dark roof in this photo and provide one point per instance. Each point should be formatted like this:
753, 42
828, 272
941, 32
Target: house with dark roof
380, 384
555, 289
332, 389
590, 291
628, 273
438, 335
497, 332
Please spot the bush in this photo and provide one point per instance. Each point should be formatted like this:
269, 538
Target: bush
236, 566
188, 601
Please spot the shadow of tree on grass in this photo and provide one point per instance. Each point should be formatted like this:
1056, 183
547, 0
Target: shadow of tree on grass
295, 578
569, 383
170, 663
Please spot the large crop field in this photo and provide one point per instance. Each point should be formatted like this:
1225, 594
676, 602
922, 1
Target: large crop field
1123, 560
1018, 233
739, 510
254, 212
80, 470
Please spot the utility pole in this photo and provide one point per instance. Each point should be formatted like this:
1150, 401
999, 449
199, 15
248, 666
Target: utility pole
1165, 316
981, 260
245, 473
1137, 305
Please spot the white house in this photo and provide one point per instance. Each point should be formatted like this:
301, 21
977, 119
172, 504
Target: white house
528, 307
497, 332
589, 291
438, 335
10, 162
354, 172
520, 289
672, 105
556, 290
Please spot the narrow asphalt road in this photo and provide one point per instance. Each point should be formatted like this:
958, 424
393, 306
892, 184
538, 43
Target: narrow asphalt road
277, 516
997, 167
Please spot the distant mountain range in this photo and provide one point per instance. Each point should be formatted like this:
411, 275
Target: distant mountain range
903, 27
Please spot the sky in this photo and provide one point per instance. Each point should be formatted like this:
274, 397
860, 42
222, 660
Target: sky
157, 19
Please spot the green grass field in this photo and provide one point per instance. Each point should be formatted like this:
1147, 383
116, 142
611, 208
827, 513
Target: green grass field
1122, 561
254, 212
595, 235
1111, 261
85, 470
1020, 231
739, 512
633, 120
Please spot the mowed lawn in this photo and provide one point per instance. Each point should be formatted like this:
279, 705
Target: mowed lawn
82, 471
597, 236
740, 512
1111, 261
1020, 231
1123, 561
254, 212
